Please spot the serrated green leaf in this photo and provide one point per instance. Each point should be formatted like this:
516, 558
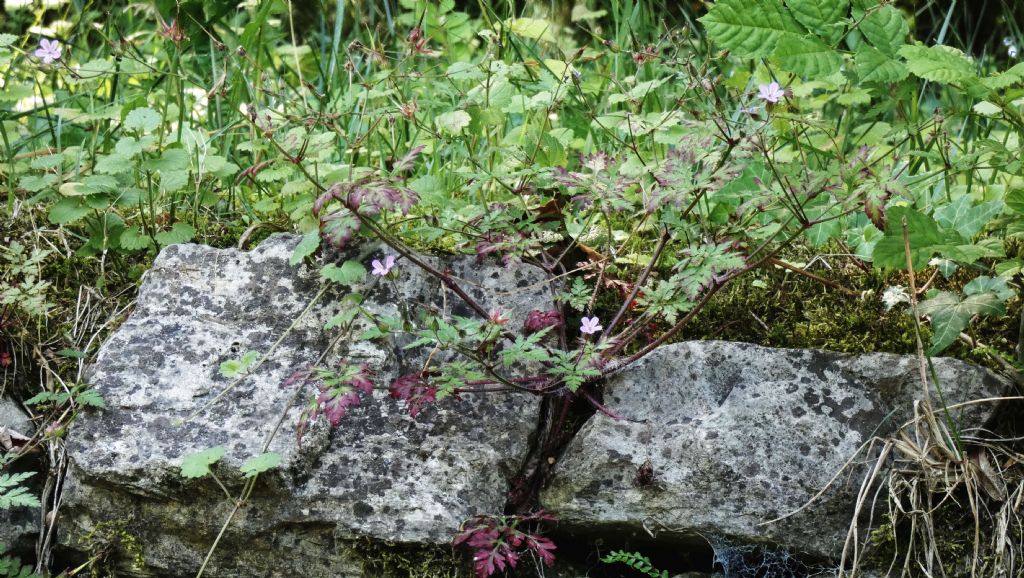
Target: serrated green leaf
7, 40
179, 233
259, 464
232, 368
142, 120
949, 315
306, 247
133, 239
350, 273
807, 56
886, 29
1009, 269
534, 28
197, 465
170, 160
986, 108
875, 66
749, 28
67, 211
823, 17
943, 64
36, 183
90, 397
114, 164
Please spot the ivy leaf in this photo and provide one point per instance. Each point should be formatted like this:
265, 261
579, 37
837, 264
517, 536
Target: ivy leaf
923, 233
197, 465
350, 273
306, 247
259, 464
966, 218
821, 16
943, 64
179, 233
886, 29
749, 28
807, 56
994, 285
950, 315
142, 120
453, 122
874, 66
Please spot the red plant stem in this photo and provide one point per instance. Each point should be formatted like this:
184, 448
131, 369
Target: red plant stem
639, 282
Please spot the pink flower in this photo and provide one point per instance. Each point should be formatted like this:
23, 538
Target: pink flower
770, 92
382, 269
590, 325
48, 51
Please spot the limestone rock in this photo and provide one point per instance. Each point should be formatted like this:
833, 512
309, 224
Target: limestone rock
737, 435
381, 478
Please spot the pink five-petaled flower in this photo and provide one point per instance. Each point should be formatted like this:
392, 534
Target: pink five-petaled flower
590, 325
48, 51
770, 92
382, 269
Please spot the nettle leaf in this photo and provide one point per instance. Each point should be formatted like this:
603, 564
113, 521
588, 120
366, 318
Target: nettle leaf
453, 122
142, 120
350, 273
749, 28
943, 64
994, 285
197, 465
179, 233
966, 218
950, 315
807, 56
886, 29
823, 17
874, 66
924, 235
259, 464
306, 247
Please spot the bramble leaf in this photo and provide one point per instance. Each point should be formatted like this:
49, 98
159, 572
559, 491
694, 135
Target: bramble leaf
943, 64
749, 28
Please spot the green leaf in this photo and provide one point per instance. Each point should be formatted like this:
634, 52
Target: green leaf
306, 247
197, 465
179, 233
12, 494
923, 233
170, 160
966, 218
142, 120
90, 397
36, 183
994, 285
453, 122
807, 57
1015, 200
7, 40
260, 464
68, 352
535, 28
749, 28
133, 239
875, 66
949, 315
232, 368
350, 273
986, 108
823, 17
886, 29
1010, 269
67, 211
943, 64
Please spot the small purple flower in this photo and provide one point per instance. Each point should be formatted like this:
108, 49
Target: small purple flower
770, 92
590, 325
382, 269
48, 51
